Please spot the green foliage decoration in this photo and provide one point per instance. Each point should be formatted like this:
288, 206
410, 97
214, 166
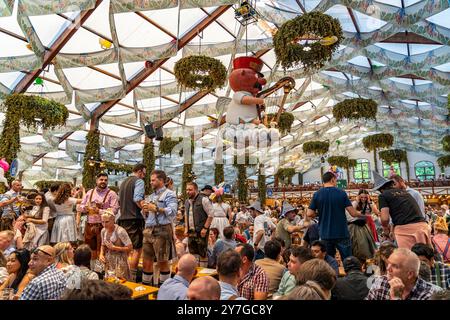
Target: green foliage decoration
393, 155
167, 144
315, 25
357, 108
444, 161
31, 112
262, 189
446, 143
148, 157
379, 140
285, 175
46, 184
219, 175
285, 122
316, 147
200, 72
92, 151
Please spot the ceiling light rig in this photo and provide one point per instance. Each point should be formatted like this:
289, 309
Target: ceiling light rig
245, 12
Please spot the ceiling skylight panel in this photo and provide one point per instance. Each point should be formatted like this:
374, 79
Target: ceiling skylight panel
10, 79
340, 12
86, 78
49, 27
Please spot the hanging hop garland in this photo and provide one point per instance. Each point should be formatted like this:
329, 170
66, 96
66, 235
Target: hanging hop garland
285, 174
285, 122
167, 144
444, 161
116, 168
92, 151
262, 190
393, 155
219, 175
46, 184
200, 72
312, 56
446, 143
340, 161
31, 112
316, 147
355, 109
379, 140
148, 158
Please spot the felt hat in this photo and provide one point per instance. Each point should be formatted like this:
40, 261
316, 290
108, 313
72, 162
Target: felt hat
257, 206
287, 207
351, 263
441, 224
379, 181
207, 187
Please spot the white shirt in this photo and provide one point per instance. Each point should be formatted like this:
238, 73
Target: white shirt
238, 110
262, 222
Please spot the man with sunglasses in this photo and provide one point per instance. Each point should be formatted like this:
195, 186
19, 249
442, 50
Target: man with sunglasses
49, 283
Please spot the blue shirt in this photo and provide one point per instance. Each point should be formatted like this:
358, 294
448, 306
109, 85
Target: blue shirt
219, 247
331, 202
139, 190
227, 290
166, 199
173, 289
333, 263
12, 207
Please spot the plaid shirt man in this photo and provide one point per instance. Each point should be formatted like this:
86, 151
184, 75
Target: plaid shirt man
380, 290
48, 285
255, 280
440, 275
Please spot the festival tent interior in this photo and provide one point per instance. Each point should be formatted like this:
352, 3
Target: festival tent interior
112, 64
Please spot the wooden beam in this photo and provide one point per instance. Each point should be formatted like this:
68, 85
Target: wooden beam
143, 16
65, 36
146, 72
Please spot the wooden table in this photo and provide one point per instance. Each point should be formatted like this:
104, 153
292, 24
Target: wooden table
140, 294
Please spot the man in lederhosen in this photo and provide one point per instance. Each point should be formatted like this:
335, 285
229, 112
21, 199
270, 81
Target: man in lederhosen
161, 208
95, 200
198, 217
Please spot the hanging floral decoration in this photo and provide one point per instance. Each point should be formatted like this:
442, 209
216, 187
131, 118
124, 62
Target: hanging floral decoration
393, 155
316, 147
357, 108
200, 72
309, 39
379, 140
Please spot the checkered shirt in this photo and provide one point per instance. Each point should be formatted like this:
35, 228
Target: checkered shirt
256, 280
48, 285
380, 290
444, 271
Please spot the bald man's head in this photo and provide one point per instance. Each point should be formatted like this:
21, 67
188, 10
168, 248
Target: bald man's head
41, 258
186, 266
204, 288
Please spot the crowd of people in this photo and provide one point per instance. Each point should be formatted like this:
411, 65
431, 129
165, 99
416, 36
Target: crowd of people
59, 243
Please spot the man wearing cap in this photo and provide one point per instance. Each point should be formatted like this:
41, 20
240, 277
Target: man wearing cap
207, 190
263, 229
410, 226
354, 285
246, 80
285, 226
50, 282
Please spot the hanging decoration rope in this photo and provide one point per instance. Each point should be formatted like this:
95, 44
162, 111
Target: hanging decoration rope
200, 72
309, 39
316, 147
357, 108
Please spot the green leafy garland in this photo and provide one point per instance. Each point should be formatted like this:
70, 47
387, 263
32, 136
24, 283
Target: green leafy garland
355, 109
46, 184
316, 147
187, 172
285, 175
242, 176
116, 168
376, 141
392, 155
316, 24
379, 140
262, 190
92, 151
446, 143
31, 112
285, 122
148, 158
200, 72
167, 144
340, 161
444, 161
219, 175
3, 188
